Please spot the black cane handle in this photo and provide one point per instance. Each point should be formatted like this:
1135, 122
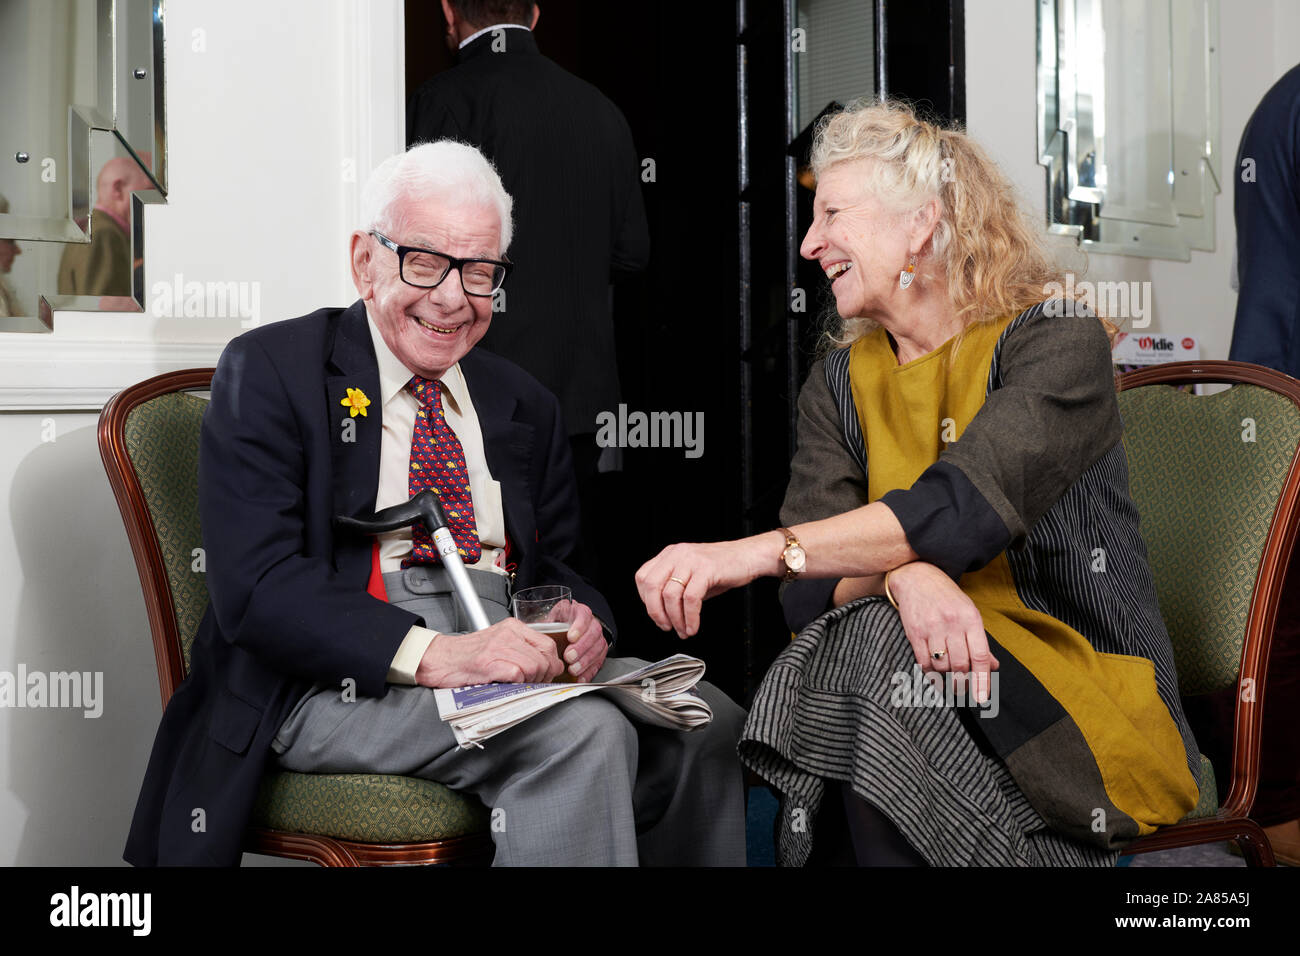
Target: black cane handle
425, 507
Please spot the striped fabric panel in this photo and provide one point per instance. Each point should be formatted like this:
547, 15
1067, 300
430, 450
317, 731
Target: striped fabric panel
837, 377
1095, 524
825, 712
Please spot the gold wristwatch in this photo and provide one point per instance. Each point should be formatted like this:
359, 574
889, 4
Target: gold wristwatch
794, 556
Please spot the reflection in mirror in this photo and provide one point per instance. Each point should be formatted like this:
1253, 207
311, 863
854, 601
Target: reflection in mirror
83, 132
103, 266
49, 60
1128, 123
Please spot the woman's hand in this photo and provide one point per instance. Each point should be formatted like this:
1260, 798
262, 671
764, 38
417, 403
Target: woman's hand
939, 619
674, 584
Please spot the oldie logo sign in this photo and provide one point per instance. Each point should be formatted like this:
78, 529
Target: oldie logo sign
1138, 350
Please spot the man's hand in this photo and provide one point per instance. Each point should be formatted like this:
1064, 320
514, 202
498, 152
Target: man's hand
508, 652
587, 646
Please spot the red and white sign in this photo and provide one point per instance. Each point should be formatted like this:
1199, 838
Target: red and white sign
1140, 349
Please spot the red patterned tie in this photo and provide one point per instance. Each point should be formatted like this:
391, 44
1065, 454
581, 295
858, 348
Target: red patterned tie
438, 462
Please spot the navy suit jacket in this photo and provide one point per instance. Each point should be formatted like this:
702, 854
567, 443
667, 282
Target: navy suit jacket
288, 603
1267, 210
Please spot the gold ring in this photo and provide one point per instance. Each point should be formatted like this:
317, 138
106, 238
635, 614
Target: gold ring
679, 581
939, 655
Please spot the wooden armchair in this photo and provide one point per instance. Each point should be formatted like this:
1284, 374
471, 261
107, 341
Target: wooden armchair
1217, 483
149, 441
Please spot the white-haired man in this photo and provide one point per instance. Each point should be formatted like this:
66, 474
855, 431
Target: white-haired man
346, 411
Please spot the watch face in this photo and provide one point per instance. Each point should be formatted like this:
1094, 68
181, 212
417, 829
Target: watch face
795, 558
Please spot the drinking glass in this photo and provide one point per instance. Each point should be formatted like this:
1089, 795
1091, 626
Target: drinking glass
548, 609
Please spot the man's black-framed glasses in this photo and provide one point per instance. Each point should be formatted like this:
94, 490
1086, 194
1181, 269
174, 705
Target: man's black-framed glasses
426, 269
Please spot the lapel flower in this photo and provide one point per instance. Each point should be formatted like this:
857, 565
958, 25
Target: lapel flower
356, 402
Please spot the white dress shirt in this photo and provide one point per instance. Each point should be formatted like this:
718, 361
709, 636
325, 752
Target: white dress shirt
398, 407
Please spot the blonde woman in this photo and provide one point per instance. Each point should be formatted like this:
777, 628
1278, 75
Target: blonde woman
981, 674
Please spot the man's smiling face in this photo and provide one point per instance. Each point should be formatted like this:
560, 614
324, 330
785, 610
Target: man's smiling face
429, 330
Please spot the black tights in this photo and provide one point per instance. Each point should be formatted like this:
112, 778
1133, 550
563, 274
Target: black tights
875, 839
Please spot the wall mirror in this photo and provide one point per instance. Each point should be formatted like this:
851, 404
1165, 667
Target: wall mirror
82, 148
1128, 123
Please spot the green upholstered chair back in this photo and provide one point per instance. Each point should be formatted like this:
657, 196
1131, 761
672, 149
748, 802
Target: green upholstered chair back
162, 438
1206, 472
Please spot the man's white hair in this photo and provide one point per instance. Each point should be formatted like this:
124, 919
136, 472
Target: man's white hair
443, 170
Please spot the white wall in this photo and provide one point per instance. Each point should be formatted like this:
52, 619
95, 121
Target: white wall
263, 124
1259, 40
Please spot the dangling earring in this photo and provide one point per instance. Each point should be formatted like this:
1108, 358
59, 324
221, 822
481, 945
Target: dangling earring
905, 277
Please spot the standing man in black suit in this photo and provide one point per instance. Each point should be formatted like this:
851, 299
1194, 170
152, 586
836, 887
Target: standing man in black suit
566, 154
346, 411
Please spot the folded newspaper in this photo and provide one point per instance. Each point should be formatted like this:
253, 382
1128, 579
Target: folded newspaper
658, 694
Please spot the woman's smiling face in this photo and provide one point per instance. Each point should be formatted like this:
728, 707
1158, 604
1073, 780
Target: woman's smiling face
859, 243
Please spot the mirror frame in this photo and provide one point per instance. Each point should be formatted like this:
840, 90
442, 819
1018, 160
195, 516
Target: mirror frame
113, 63
1073, 207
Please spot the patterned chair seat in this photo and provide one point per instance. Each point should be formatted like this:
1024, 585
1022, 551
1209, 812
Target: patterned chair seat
366, 808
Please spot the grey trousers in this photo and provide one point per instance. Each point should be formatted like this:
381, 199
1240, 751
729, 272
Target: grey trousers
580, 784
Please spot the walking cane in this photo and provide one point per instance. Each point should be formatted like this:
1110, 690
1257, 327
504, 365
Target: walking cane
426, 508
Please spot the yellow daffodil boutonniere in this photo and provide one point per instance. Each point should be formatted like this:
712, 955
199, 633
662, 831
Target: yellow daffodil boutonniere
356, 402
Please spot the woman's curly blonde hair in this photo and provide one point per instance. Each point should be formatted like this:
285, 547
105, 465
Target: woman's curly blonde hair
996, 262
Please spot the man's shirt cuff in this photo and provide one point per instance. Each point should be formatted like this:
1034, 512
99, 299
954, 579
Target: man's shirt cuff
409, 654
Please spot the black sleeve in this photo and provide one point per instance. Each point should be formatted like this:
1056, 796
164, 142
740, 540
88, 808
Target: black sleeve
1266, 204
631, 252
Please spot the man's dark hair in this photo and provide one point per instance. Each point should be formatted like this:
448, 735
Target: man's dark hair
484, 13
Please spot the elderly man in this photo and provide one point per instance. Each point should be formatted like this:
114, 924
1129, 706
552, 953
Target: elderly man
103, 265
346, 411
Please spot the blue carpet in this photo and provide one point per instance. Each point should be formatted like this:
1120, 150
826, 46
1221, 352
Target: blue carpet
760, 818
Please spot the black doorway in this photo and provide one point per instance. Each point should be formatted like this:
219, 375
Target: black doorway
709, 326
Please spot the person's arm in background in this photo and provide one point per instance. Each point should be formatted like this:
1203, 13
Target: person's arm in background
631, 251
1266, 207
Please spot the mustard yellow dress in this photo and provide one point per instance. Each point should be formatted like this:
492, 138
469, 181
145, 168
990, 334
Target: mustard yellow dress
1002, 458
